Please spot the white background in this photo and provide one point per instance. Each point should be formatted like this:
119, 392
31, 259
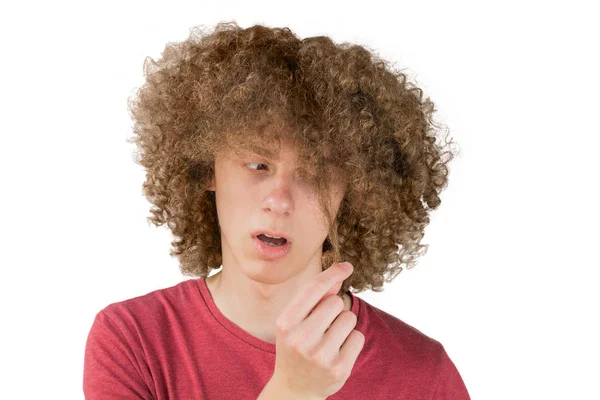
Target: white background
509, 284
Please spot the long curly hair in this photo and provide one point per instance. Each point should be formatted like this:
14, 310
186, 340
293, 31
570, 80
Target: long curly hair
349, 113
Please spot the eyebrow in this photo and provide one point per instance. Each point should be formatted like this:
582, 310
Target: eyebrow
264, 152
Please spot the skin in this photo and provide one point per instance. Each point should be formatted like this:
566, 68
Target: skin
254, 193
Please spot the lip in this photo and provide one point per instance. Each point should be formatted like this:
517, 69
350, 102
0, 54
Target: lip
272, 234
270, 252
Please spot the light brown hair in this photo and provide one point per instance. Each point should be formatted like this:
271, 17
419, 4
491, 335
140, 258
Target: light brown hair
349, 113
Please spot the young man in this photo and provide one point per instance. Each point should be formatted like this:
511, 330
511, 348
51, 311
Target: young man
298, 167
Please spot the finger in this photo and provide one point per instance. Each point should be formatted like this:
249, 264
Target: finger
351, 348
334, 336
331, 292
310, 295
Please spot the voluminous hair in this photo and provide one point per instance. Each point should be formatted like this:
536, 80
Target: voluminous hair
349, 114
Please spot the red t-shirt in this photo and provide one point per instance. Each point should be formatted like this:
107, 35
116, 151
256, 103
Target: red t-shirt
174, 343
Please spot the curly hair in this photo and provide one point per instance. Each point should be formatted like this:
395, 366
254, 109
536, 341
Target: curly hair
348, 112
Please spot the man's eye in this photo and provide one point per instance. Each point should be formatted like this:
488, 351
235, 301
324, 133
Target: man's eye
255, 164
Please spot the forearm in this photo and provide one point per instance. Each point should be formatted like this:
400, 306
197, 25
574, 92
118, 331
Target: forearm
273, 391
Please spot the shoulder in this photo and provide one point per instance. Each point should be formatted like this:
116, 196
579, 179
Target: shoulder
398, 339
150, 308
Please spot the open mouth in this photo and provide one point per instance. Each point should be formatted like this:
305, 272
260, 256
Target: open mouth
269, 241
271, 248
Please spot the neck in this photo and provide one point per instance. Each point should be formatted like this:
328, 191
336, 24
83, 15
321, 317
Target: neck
255, 306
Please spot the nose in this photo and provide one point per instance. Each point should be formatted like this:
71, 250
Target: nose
280, 199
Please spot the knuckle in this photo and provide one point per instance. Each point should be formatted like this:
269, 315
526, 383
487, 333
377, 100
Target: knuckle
317, 358
360, 335
337, 373
335, 302
302, 335
340, 369
346, 318
351, 317
317, 285
297, 342
282, 327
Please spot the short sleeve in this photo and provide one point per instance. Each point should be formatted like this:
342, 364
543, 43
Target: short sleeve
111, 369
450, 385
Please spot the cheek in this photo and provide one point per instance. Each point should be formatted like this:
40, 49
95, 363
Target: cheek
230, 206
313, 223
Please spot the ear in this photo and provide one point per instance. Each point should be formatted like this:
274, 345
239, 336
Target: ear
211, 186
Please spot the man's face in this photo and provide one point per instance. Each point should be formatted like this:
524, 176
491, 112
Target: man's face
255, 193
